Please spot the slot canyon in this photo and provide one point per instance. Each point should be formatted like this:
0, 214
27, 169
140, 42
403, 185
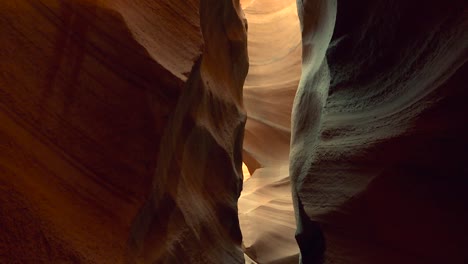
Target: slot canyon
233, 131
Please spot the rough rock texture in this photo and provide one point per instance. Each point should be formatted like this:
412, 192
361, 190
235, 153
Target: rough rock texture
379, 162
317, 23
87, 91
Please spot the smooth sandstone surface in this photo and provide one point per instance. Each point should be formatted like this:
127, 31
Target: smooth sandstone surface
191, 215
85, 96
122, 131
266, 211
88, 90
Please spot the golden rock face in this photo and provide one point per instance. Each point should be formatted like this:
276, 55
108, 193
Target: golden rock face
245, 172
88, 91
274, 39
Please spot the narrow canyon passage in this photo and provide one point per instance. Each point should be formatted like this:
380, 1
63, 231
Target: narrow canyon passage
122, 131
265, 207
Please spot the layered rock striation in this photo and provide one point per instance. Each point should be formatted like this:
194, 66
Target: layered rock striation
265, 207
378, 161
191, 215
85, 96
106, 106
122, 131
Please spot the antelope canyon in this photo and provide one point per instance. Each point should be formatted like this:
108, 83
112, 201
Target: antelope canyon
233, 131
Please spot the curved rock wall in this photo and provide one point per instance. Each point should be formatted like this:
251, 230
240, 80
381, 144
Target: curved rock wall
317, 23
87, 91
84, 99
265, 207
191, 216
381, 179
121, 127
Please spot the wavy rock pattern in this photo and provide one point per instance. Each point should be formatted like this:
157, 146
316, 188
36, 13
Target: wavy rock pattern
374, 163
379, 164
88, 89
317, 23
191, 216
265, 208
122, 123
84, 98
